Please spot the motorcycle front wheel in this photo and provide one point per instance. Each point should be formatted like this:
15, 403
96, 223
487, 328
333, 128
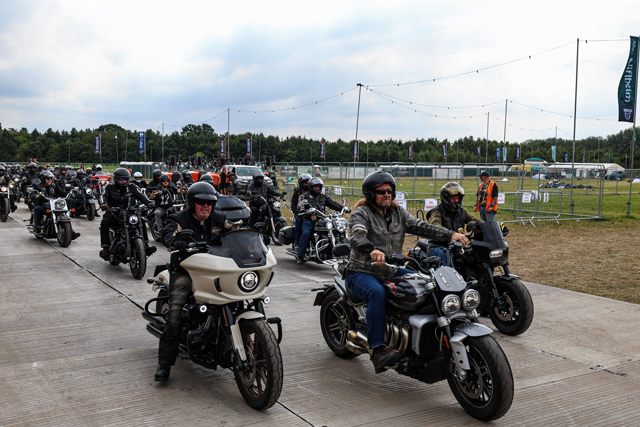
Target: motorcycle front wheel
336, 320
261, 382
4, 213
157, 235
515, 314
487, 391
138, 258
91, 212
64, 234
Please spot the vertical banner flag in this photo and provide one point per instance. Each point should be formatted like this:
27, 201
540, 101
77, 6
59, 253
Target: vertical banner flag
497, 154
444, 151
504, 157
583, 153
566, 157
553, 153
356, 149
248, 146
410, 151
222, 148
627, 86
322, 144
518, 153
478, 149
141, 142
98, 141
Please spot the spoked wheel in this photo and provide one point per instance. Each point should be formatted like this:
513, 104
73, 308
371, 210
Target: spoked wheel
336, 320
64, 234
260, 383
513, 314
91, 212
4, 210
138, 260
276, 232
486, 392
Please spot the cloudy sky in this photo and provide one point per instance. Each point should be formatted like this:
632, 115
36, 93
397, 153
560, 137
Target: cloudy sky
293, 68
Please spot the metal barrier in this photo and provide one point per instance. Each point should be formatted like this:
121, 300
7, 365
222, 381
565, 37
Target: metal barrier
527, 206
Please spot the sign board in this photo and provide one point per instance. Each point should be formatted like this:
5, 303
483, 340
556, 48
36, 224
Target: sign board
430, 204
501, 198
337, 191
526, 197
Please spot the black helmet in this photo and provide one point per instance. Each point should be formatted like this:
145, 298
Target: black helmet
176, 176
314, 182
373, 181
80, 174
206, 178
2, 170
202, 191
121, 173
303, 181
44, 175
157, 174
451, 189
258, 178
32, 165
165, 178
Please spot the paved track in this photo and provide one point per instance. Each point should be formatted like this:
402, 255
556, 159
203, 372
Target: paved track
74, 352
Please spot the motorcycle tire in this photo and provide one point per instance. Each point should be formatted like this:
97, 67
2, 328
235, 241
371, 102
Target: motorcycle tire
487, 391
138, 260
516, 315
91, 213
162, 304
157, 235
276, 233
336, 320
265, 239
64, 234
261, 383
4, 213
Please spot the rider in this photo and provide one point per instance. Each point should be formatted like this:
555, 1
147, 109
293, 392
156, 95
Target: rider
137, 180
449, 214
379, 220
196, 217
5, 179
303, 181
164, 198
48, 190
313, 199
119, 194
257, 190
155, 180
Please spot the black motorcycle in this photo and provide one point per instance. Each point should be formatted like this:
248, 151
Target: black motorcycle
127, 243
7, 194
270, 220
505, 299
84, 201
432, 324
55, 220
150, 219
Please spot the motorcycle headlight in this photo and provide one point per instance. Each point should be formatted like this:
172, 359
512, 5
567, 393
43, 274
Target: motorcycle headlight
133, 219
450, 305
3, 189
11, 186
88, 191
496, 253
248, 281
60, 205
329, 225
276, 204
471, 299
103, 182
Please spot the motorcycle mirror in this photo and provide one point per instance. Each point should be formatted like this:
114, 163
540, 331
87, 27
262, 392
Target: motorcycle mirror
365, 248
471, 225
183, 235
341, 250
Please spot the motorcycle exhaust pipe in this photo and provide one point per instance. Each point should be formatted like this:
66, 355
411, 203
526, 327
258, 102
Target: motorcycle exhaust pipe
359, 340
154, 330
355, 348
157, 319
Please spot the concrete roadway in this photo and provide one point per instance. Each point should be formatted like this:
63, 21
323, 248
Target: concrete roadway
74, 352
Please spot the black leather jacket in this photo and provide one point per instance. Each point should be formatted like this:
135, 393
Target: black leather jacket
116, 196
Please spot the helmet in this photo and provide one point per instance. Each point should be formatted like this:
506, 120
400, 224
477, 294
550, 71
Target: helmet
137, 176
176, 176
68, 167
156, 174
165, 178
32, 165
206, 178
2, 170
121, 173
99, 168
303, 181
80, 174
314, 182
44, 175
451, 189
89, 170
62, 171
258, 178
373, 181
202, 191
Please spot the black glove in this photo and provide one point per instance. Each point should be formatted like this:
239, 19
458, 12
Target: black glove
347, 209
152, 205
104, 207
181, 246
307, 205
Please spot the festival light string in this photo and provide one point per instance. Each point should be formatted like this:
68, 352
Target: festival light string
217, 115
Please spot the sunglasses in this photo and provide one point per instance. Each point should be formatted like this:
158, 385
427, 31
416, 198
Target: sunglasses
203, 202
123, 179
383, 192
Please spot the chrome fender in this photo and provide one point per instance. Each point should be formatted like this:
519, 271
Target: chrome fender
237, 336
460, 333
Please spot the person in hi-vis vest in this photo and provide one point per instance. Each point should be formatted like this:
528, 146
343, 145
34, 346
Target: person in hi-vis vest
487, 198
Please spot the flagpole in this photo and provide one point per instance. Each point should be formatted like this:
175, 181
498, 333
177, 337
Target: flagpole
633, 138
575, 108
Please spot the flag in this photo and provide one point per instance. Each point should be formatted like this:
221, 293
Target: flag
583, 153
322, 143
356, 150
98, 142
222, 148
478, 149
566, 157
248, 146
444, 151
518, 153
410, 151
141, 147
553, 153
504, 154
497, 154
627, 86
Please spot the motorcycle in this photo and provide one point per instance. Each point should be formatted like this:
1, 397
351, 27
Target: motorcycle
270, 220
329, 230
127, 243
224, 323
505, 299
55, 220
7, 192
432, 323
150, 219
85, 202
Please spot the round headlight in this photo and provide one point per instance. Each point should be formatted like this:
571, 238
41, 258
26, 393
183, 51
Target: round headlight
133, 219
276, 204
88, 191
60, 205
329, 225
450, 305
248, 281
471, 299
496, 253
3, 189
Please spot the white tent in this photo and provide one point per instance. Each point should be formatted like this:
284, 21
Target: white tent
583, 169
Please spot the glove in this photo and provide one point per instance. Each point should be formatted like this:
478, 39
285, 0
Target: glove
347, 210
181, 246
152, 205
104, 207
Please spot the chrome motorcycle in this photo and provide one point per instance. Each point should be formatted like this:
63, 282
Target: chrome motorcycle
55, 220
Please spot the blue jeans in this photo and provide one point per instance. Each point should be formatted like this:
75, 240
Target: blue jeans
369, 289
307, 229
297, 230
38, 213
486, 216
440, 253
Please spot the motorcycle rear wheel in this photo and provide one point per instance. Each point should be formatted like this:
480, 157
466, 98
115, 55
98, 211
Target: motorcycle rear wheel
138, 260
336, 320
516, 314
487, 391
261, 383
157, 235
4, 213
91, 213
276, 233
162, 305
64, 234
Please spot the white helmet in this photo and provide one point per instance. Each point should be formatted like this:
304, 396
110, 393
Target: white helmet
99, 167
137, 176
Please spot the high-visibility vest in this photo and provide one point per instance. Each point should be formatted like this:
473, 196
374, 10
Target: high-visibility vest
490, 200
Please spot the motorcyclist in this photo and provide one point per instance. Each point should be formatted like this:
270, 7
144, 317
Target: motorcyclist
43, 190
209, 179
119, 194
164, 197
379, 220
256, 191
137, 180
313, 199
98, 170
303, 188
449, 214
5, 179
155, 180
196, 217
187, 179
29, 175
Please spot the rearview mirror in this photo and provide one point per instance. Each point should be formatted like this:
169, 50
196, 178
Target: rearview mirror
471, 225
183, 235
366, 248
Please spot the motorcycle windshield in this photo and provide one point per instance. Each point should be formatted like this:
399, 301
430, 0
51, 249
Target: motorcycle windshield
245, 247
491, 232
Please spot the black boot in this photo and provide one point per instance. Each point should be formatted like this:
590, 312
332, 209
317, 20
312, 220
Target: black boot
104, 253
382, 357
162, 373
75, 235
150, 250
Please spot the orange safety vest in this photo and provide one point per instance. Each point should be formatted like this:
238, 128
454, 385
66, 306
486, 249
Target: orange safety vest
489, 197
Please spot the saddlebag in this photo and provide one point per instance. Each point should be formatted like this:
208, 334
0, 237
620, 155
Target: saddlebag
232, 208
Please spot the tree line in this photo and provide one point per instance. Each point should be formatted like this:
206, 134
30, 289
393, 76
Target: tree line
119, 144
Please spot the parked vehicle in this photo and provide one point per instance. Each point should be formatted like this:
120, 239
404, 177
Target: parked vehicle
242, 176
